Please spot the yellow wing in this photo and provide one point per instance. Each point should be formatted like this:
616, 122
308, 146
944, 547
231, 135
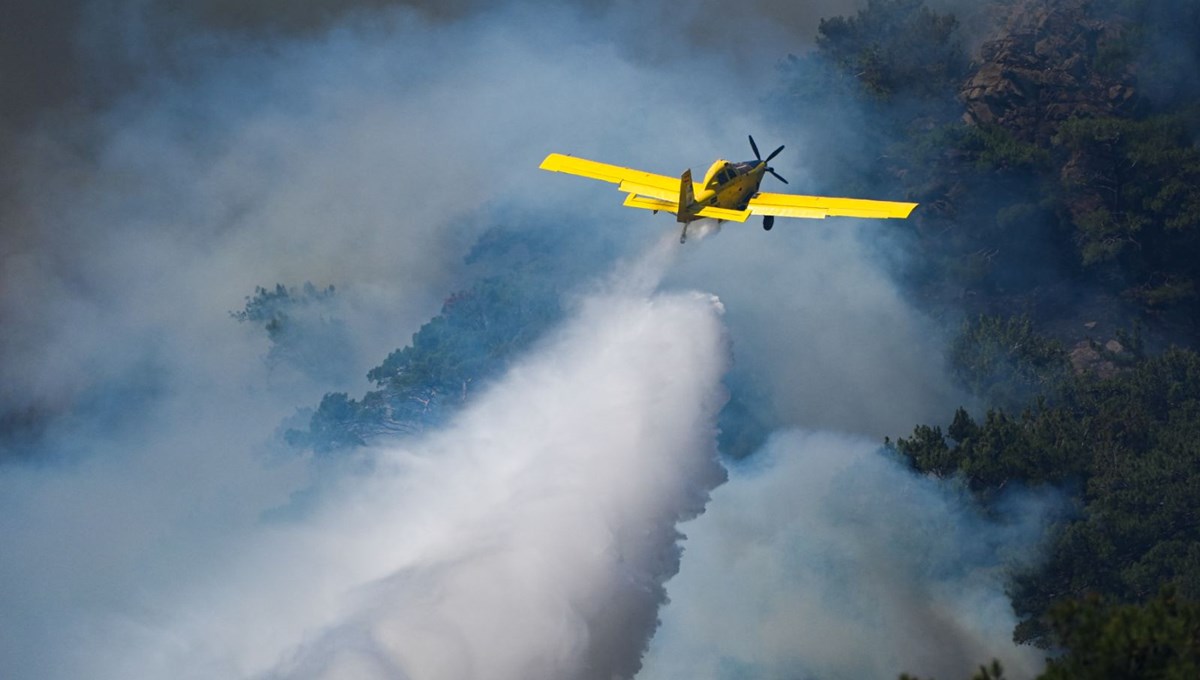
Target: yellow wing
628, 180
820, 207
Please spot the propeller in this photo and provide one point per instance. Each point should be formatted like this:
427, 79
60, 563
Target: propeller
759, 157
768, 220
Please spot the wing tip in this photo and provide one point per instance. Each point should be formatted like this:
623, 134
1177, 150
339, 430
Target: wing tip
551, 161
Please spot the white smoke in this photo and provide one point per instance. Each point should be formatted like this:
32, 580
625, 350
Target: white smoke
821, 329
528, 539
371, 158
824, 558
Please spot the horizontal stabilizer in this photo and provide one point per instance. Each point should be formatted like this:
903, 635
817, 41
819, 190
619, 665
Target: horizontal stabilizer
670, 193
635, 201
723, 214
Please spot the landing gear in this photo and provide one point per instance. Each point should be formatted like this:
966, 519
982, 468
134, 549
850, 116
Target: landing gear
768, 222
683, 234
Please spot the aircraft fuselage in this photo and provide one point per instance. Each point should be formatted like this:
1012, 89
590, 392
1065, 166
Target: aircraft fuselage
727, 185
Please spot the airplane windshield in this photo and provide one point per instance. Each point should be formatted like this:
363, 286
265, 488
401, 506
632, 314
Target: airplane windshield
732, 171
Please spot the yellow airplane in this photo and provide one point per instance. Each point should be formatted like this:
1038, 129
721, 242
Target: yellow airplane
729, 192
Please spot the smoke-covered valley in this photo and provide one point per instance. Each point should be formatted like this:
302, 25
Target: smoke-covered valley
573, 515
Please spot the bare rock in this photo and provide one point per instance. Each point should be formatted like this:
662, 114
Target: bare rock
1039, 70
1090, 357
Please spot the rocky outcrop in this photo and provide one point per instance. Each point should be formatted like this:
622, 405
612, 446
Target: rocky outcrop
1041, 68
1089, 356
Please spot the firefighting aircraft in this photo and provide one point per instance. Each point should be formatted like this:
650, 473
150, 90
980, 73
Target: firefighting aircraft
729, 192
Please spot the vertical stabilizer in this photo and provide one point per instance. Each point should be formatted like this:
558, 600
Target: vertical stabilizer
687, 198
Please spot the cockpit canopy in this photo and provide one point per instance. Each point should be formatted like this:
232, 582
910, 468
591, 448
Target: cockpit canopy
722, 171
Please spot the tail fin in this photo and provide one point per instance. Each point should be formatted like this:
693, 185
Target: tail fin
687, 198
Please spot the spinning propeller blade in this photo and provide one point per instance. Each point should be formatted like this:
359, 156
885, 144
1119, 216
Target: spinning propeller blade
759, 158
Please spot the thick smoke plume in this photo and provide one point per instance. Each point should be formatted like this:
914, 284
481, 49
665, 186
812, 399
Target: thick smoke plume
530, 538
848, 566
820, 330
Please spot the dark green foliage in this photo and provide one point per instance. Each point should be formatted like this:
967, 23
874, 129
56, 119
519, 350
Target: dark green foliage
876, 79
477, 333
331, 427
1129, 446
984, 223
987, 225
1140, 522
999, 450
303, 329
1108, 205
1005, 361
450, 357
928, 451
476, 329
896, 47
877, 104
1133, 190
270, 307
1102, 640
992, 147
1112, 202
1159, 639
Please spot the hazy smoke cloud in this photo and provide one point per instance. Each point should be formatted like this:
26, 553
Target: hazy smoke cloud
846, 566
821, 330
528, 539
80, 54
362, 159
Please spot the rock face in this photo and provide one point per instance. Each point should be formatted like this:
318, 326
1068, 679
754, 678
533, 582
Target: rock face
1042, 68
1088, 356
